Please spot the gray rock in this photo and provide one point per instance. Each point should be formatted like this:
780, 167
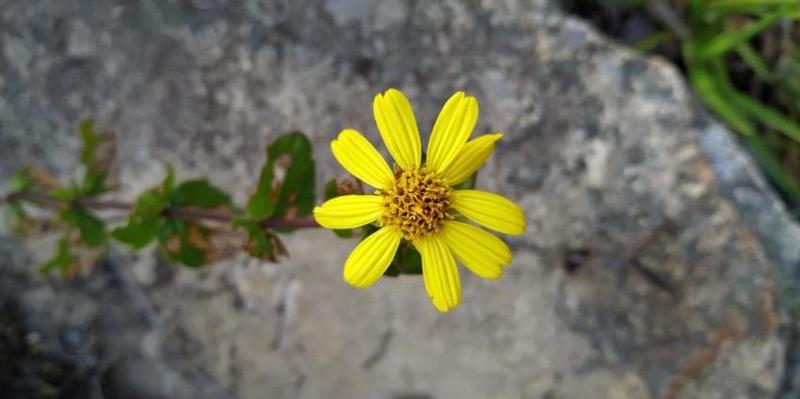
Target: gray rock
636, 277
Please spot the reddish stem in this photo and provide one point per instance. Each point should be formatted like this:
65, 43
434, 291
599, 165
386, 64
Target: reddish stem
177, 213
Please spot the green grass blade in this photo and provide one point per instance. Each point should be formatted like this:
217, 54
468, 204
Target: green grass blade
727, 40
654, 40
764, 114
773, 168
712, 95
745, 6
767, 116
754, 61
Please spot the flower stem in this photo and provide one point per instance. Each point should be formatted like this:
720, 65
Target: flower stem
44, 199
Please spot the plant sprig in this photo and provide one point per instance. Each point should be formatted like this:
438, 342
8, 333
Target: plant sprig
193, 222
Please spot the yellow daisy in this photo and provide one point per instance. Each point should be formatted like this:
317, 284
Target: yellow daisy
416, 201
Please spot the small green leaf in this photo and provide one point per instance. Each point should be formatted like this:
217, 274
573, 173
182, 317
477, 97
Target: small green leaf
21, 180
261, 205
168, 185
139, 234
172, 227
96, 155
368, 230
391, 271
199, 193
18, 220
61, 260
90, 140
149, 204
189, 255
295, 194
297, 190
407, 260
65, 194
145, 222
92, 230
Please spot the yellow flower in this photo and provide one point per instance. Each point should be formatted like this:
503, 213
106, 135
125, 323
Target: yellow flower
416, 202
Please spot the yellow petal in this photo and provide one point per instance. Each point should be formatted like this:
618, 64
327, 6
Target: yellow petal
369, 260
491, 210
398, 128
349, 211
357, 155
451, 130
478, 250
471, 157
440, 273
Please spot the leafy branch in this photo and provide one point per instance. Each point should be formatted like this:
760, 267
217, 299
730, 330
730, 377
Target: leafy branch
193, 222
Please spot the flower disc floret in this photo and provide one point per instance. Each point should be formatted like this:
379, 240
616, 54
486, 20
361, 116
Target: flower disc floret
417, 202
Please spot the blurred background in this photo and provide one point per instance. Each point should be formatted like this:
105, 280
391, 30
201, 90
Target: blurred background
654, 146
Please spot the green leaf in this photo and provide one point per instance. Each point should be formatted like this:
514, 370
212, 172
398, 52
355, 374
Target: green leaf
65, 194
368, 230
261, 205
295, 194
177, 244
391, 271
61, 260
297, 190
199, 193
138, 234
96, 154
408, 260
172, 227
189, 255
91, 139
21, 180
259, 245
331, 190
92, 230
149, 204
260, 242
18, 219
145, 222
168, 185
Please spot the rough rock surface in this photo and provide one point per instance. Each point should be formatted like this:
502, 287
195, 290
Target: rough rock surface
636, 278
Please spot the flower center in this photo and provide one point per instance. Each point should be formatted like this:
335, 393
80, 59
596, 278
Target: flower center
417, 203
